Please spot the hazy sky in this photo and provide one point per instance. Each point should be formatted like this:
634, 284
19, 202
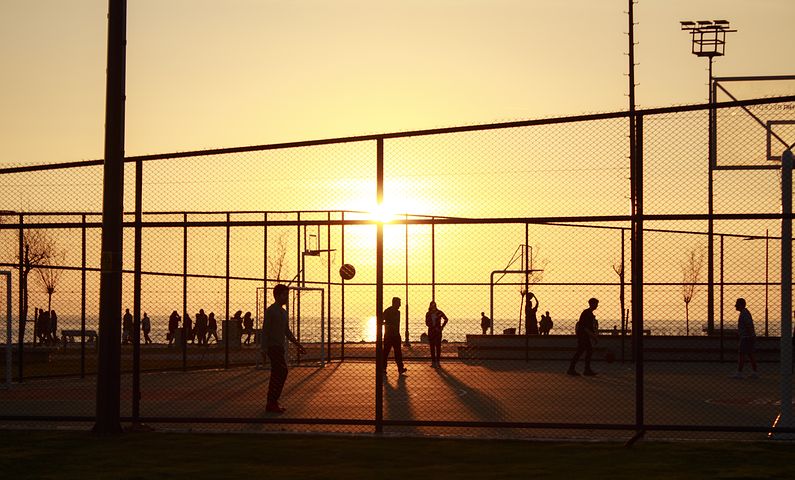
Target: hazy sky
212, 73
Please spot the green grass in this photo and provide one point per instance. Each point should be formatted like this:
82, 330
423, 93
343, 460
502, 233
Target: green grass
80, 455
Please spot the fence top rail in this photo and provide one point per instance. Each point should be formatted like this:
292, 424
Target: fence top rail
411, 133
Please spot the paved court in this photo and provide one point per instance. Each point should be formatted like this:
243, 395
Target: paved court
537, 392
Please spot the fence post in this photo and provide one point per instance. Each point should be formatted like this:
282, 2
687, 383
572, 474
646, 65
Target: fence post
785, 363
225, 331
83, 301
136, 360
22, 307
637, 273
342, 291
184, 291
379, 290
9, 328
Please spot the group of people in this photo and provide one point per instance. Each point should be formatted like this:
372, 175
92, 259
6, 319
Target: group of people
45, 326
532, 326
200, 332
127, 327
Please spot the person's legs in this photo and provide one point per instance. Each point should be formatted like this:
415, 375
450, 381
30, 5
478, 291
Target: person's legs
588, 354
575, 359
398, 355
278, 375
387, 345
438, 343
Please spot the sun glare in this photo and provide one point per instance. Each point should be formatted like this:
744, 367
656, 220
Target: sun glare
368, 330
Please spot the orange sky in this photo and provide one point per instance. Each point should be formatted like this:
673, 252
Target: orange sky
203, 74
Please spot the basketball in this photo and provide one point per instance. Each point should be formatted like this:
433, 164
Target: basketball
347, 271
609, 357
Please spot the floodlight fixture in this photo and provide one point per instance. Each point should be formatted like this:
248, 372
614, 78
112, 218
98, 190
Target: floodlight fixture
708, 36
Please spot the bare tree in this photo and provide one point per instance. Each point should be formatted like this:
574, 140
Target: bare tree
691, 276
620, 269
277, 262
38, 248
49, 274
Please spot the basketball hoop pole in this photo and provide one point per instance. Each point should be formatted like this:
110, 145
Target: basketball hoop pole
785, 363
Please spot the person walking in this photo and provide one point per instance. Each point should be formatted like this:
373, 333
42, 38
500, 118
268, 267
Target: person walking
586, 338
433, 320
187, 329
745, 330
485, 323
392, 340
275, 333
54, 326
146, 327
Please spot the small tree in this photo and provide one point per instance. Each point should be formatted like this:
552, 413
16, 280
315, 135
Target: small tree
38, 248
691, 276
49, 276
620, 269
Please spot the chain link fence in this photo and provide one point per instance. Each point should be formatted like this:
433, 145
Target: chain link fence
475, 219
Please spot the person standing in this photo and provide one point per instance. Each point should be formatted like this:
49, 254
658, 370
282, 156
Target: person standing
545, 325
187, 329
586, 338
485, 323
745, 330
275, 333
54, 326
126, 327
201, 327
173, 325
392, 340
531, 315
248, 327
433, 320
146, 327
212, 327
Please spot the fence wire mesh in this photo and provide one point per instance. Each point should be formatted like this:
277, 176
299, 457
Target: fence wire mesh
508, 230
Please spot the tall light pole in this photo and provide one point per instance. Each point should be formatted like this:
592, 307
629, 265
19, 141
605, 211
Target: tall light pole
708, 39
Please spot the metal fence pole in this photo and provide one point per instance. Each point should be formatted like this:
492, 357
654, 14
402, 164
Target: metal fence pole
225, 331
22, 304
342, 291
9, 328
379, 291
83, 302
109, 360
637, 274
136, 360
785, 363
184, 291
328, 281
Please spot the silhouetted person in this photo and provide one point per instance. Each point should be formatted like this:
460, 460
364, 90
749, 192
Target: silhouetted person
275, 333
38, 325
530, 315
126, 327
433, 320
485, 323
173, 325
146, 327
54, 326
45, 326
187, 329
201, 327
392, 340
545, 325
586, 338
212, 327
745, 330
237, 321
248, 327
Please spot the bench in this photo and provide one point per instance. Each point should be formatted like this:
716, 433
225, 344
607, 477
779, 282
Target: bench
611, 331
70, 335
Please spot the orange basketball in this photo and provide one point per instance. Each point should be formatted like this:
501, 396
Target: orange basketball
347, 271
